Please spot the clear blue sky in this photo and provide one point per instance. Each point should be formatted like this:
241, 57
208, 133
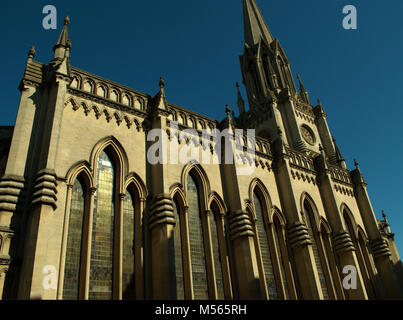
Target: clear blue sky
195, 46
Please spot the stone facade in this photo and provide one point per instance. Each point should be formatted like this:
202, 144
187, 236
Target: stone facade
85, 215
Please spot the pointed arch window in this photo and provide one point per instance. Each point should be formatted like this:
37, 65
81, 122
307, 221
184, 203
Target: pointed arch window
262, 238
281, 246
74, 242
102, 245
197, 246
178, 252
218, 268
320, 265
128, 263
103, 239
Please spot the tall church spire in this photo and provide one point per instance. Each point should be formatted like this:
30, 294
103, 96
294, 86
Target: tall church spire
254, 24
63, 43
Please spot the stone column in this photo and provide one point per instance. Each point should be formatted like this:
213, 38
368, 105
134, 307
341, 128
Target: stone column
241, 236
161, 225
298, 236
13, 187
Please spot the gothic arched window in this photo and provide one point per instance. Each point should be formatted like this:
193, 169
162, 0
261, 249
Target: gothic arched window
214, 230
178, 252
280, 243
262, 237
102, 245
128, 263
74, 242
197, 246
308, 211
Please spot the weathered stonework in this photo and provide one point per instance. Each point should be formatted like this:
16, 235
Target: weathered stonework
80, 139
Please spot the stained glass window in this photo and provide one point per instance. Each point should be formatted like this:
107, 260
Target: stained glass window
101, 267
322, 278
216, 256
128, 248
74, 238
264, 249
177, 247
197, 252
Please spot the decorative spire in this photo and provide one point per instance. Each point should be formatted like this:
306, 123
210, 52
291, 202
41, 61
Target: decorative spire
31, 53
240, 102
356, 164
159, 101
227, 110
339, 158
63, 42
254, 24
303, 92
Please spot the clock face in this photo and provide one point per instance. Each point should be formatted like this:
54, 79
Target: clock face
308, 135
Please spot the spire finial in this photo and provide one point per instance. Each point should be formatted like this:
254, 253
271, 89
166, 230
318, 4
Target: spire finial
162, 83
227, 110
63, 42
31, 53
384, 215
356, 164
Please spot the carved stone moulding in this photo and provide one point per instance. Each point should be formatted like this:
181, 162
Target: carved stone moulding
342, 242
45, 188
298, 235
380, 248
240, 225
161, 211
12, 193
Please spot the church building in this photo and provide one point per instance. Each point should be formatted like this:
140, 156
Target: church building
85, 214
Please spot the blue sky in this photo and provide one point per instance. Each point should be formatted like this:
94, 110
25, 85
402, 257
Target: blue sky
195, 45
